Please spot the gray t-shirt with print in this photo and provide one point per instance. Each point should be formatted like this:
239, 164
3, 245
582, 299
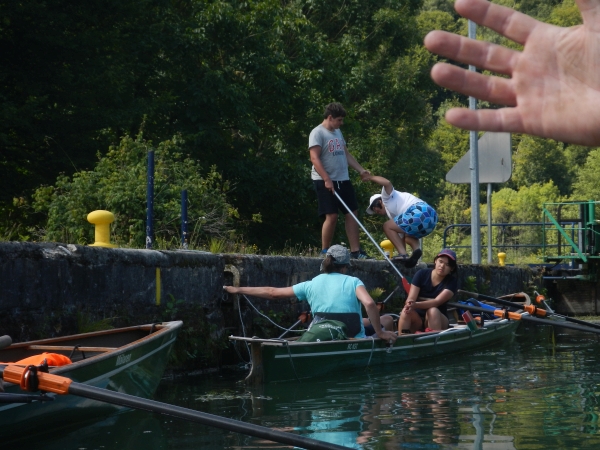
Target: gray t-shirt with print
333, 154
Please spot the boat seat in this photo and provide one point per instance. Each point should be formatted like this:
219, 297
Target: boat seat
352, 321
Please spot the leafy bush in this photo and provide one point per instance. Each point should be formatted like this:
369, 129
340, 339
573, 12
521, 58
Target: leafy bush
118, 184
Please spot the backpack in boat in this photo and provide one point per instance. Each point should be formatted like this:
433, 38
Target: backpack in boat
352, 321
324, 330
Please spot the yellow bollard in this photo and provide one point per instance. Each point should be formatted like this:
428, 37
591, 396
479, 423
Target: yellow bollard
388, 247
102, 220
501, 258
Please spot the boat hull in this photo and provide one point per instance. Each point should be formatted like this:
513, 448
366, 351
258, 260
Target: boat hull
279, 361
134, 366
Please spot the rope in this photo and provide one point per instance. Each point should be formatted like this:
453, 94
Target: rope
244, 335
287, 330
287, 344
372, 350
268, 318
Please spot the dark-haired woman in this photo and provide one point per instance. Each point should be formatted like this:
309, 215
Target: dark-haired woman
430, 291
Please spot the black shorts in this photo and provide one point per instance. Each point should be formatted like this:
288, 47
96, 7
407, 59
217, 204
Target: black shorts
329, 203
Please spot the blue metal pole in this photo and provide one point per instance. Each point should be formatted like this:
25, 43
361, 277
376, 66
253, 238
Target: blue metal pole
150, 200
184, 219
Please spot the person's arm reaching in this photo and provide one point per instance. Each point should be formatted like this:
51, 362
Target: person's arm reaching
384, 182
373, 314
554, 85
271, 293
352, 162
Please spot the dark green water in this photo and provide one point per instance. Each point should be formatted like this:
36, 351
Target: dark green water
540, 391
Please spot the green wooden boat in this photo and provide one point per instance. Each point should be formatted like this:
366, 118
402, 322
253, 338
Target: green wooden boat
277, 360
130, 360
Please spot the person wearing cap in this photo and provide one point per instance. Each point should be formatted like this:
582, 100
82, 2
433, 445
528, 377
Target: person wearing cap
330, 158
430, 291
403, 209
330, 292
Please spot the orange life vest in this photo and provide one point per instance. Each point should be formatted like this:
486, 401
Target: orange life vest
54, 359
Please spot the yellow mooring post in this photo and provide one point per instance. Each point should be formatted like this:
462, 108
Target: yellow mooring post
102, 220
501, 258
387, 247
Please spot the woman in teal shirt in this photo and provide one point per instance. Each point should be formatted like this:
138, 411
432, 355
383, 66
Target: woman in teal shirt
331, 292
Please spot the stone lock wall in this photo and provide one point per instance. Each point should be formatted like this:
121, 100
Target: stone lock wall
53, 289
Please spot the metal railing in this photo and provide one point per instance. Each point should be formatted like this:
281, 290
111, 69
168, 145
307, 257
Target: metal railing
504, 236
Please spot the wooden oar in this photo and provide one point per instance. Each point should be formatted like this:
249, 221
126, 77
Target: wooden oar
531, 309
405, 282
61, 385
526, 318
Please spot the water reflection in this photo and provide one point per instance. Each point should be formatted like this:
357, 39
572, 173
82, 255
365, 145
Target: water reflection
540, 391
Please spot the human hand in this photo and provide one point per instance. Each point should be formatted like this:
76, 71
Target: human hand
554, 89
387, 336
230, 289
365, 175
329, 185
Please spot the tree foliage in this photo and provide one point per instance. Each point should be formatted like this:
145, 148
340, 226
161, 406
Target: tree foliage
538, 161
118, 184
586, 185
240, 84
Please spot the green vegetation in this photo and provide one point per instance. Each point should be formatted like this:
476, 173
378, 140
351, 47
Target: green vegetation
225, 93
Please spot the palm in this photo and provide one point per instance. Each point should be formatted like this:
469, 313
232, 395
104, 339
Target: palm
557, 86
554, 87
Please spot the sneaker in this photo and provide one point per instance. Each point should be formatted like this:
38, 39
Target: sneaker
400, 258
414, 259
360, 254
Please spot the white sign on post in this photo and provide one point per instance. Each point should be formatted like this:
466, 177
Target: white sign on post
495, 166
495, 161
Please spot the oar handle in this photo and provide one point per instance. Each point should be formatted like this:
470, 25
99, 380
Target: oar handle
531, 309
507, 314
46, 381
535, 311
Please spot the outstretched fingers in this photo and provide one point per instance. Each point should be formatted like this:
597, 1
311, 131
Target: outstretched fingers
514, 25
489, 88
499, 120
590, 12
480, 54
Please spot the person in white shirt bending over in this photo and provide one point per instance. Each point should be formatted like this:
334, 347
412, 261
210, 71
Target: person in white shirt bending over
410, 218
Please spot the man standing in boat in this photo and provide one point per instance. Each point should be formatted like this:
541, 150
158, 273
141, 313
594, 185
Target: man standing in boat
330, 158
410, 218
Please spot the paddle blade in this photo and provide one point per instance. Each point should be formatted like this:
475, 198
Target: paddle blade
406, 284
